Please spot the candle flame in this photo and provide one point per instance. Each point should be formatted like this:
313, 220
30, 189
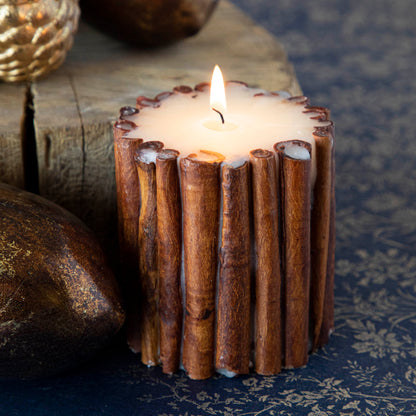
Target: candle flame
218, 102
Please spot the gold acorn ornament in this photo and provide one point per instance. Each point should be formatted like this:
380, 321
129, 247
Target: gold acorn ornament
35, 36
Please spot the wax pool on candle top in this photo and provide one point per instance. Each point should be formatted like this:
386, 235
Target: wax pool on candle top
187, 123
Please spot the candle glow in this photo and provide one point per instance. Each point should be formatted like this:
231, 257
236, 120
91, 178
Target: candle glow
217, 97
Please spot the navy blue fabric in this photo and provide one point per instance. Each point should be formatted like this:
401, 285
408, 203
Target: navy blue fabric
358, 58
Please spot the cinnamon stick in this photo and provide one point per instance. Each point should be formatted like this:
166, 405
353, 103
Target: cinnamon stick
128, 202
296, 205
327, 326
233, 311
147, 248
268, 339
169, 232
320, 230
201, 195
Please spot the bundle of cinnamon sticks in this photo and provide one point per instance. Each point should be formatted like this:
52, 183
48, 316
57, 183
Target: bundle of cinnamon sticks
224, 266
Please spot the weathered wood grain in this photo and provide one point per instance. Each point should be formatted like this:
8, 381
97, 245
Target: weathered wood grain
59, 142
12, 105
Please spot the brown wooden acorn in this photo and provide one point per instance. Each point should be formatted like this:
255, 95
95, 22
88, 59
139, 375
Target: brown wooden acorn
59, 301
35, 36
148, 22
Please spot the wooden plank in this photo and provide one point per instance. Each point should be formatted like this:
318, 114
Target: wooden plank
12, 111
59, 142
76, 106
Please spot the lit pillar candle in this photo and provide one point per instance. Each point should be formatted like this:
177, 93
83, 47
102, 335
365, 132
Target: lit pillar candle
214, 133
253, 118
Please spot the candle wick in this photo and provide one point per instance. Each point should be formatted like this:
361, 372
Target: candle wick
219, 112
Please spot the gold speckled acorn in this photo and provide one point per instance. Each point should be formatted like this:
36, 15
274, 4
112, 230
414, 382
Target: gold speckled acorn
35, 36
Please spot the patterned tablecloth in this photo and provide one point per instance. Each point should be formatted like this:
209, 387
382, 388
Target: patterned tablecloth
358, 58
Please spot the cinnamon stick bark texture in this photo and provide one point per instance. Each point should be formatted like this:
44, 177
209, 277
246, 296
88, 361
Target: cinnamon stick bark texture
320, 230
328, 326
268, 339
296, 216
169, 231
128, 202
201, 196
233, 310
147, 248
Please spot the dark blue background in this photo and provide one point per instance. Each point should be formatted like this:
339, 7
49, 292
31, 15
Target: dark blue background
358, 58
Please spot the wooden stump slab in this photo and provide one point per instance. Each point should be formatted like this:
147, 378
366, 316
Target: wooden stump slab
74, 107
12, 111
